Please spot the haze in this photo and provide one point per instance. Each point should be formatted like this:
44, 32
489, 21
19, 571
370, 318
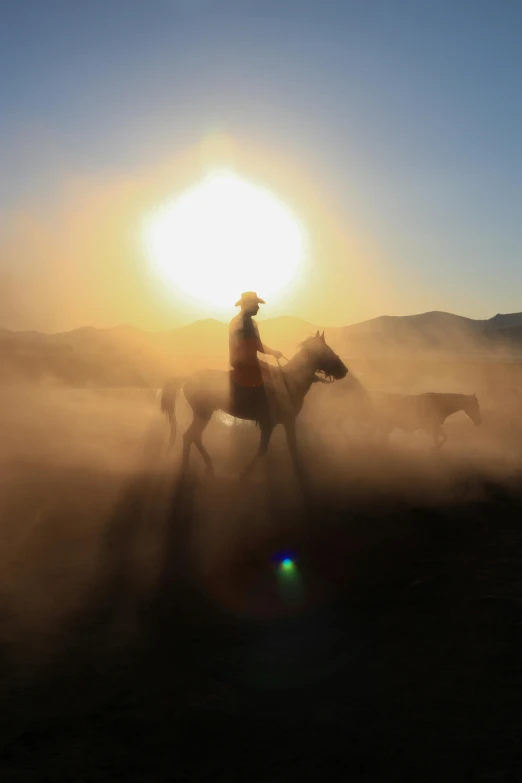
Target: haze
353, 603
392, 130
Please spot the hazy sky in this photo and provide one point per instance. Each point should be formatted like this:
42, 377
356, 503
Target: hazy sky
395, 125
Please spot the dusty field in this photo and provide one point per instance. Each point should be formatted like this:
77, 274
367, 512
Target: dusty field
147, 634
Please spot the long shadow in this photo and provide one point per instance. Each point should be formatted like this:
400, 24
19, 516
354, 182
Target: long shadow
175, 571
397, 675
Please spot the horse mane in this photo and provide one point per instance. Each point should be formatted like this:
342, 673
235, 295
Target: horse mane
304, 343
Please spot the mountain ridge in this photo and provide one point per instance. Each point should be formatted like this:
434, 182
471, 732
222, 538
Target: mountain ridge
127, 355
497, 322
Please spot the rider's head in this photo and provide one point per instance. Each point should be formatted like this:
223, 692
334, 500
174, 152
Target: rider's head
249, 303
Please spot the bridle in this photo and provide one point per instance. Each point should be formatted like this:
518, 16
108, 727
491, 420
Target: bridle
320, 376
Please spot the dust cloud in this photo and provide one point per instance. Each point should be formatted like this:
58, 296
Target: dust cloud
88, 487
129, 596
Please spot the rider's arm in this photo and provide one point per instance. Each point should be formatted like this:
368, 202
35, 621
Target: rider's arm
262, 348
268, 351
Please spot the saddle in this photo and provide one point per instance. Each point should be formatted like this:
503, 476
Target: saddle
255, 402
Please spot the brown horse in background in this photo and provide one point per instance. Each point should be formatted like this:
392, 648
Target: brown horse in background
426, 412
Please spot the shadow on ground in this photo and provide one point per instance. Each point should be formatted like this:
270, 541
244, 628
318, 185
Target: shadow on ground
148, 633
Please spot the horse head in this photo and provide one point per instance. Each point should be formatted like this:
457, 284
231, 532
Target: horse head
325, 360
473, 409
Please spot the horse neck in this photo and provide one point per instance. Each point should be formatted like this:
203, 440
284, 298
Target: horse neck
466, 404
457, 402
300, 372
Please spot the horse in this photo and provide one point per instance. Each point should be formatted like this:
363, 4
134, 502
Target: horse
286, 387
426, 411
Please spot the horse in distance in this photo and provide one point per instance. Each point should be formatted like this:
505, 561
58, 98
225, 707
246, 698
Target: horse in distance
427, 411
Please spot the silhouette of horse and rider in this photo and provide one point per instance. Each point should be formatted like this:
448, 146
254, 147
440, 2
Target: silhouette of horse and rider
252, 390
257, 391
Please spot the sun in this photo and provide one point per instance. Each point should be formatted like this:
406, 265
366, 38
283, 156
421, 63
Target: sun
223, 236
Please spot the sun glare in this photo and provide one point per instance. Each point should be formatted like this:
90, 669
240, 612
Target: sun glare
223, 236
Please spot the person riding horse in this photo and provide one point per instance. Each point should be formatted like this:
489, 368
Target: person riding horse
247, 381
276, 401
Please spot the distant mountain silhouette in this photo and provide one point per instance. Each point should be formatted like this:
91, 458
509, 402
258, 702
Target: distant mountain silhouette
391, 324
432, 331
436, 319
126, 355
506, 321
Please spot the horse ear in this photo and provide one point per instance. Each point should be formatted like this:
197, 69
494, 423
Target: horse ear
317, 333
322, 336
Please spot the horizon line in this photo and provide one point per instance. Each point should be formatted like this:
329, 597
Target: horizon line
272, 318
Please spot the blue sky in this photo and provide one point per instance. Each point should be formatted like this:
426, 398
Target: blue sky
407, 112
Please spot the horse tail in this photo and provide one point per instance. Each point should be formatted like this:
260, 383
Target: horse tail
168, 405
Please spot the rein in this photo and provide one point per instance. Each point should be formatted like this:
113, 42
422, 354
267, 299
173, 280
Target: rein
284, 379
318, 377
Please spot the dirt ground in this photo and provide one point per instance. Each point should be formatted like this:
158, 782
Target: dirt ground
149, 633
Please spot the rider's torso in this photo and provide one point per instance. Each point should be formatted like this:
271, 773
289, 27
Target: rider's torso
244, 343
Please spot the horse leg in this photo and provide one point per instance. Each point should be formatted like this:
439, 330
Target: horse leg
198, 443
439, 437
291, 438
266, 433
193, 435
443, 437
187, 443
173, 430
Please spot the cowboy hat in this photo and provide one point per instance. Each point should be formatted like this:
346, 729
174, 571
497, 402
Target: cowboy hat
249, 296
